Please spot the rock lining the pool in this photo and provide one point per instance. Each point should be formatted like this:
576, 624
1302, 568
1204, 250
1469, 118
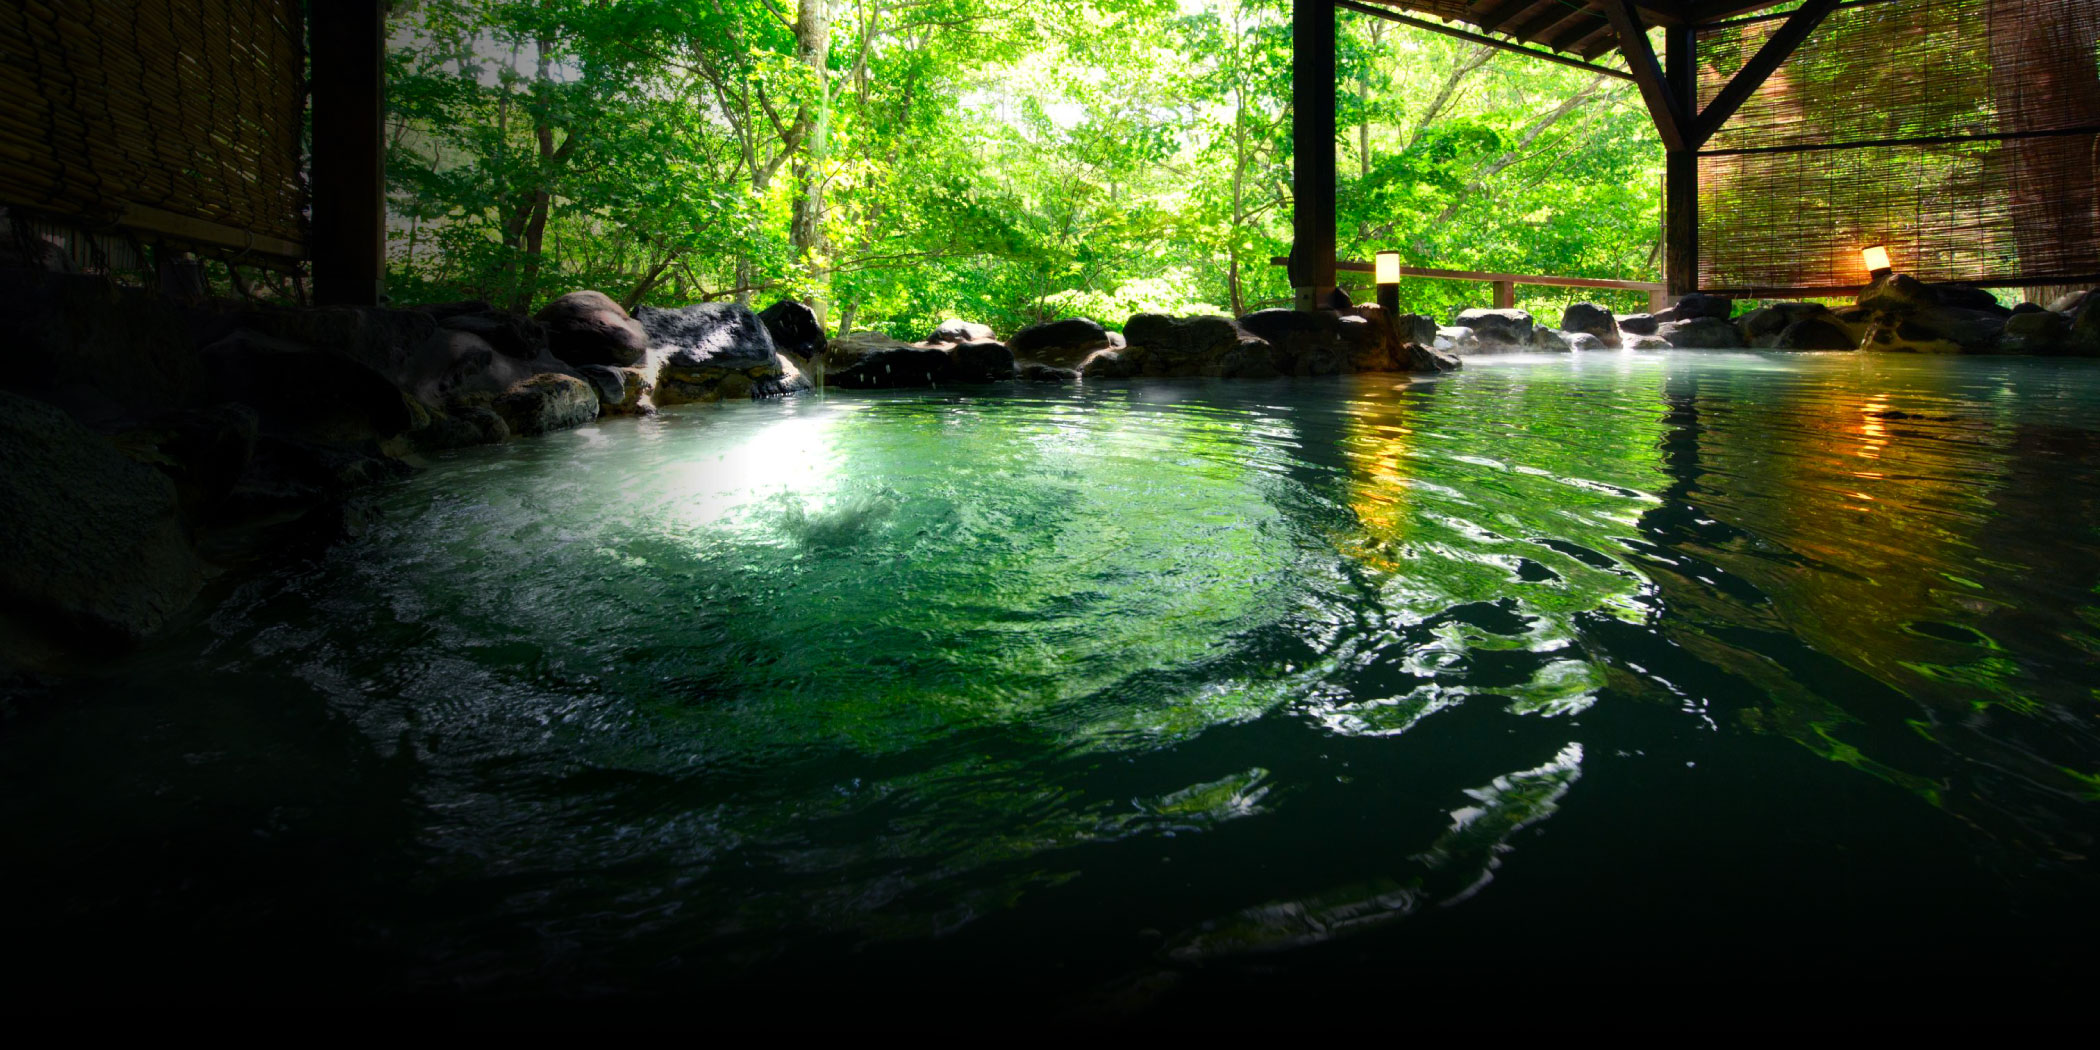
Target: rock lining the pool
268, 423
1897, 313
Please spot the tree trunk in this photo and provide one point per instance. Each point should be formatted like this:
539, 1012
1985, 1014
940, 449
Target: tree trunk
806, 234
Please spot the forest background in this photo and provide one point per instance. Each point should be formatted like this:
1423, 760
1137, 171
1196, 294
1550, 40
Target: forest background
898, 162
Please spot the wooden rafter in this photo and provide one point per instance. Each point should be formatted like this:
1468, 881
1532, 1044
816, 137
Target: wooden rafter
1760, 68
1672, 124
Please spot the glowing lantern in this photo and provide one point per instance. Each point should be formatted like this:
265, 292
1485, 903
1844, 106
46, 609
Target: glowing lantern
1877, 260
1386, 269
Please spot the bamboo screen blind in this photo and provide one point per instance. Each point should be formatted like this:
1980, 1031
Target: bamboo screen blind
163, 116
1959, 133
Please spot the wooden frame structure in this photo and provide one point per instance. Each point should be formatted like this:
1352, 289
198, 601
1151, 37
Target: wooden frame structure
1571, 32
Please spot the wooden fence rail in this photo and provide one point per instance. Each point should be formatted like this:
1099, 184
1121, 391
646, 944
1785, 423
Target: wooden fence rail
1506, 283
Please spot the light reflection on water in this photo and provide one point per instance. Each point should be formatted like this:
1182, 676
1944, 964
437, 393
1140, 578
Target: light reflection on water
722, 687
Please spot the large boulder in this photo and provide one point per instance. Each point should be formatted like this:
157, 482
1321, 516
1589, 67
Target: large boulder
981, 361
507, 333
847, 350
1062, 343
1505, 328
954, 332
2085, 327
794, 329
304, 393
902, 365
1429, 359
1111, 364
621, 391
1701, 333
1814, 333
1637, 324
589, 328
1907, 315
1935, 330
1323, 342
1158, 345
714, 331
1041, 373
205, 450
1550, 340
455, 363
546, 403
1455, 339
1415, 328
1761, 327
1699, 305
710, 351
95, 544
2070, 302
1586, 341
1591, 318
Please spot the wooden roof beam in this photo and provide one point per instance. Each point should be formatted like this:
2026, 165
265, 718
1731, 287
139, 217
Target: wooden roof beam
1492, 23
1672, 124
1596, 42
1553, 23
1760, 68
1478, 38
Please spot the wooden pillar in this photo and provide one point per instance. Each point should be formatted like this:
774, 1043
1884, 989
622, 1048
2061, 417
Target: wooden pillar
1681, 169
1312, 151
347, 42
1505, 295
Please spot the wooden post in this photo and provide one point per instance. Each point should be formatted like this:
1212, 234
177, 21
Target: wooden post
1681, 169
1312, 151
347, 42
1505, 295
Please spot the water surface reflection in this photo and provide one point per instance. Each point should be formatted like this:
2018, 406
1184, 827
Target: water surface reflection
1156, 680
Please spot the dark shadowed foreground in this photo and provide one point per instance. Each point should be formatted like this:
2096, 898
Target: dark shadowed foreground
1594, 690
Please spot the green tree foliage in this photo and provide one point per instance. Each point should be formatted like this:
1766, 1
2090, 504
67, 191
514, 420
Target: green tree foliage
900, 161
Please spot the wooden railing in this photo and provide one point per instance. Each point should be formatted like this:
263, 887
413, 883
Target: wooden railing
1506, 283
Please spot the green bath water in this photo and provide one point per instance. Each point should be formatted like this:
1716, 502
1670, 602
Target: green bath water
1162, 700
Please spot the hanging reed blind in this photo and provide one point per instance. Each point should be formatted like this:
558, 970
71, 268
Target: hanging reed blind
177, 118
1959, 133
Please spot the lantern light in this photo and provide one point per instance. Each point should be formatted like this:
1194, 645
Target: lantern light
1877, 260
1387, 268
